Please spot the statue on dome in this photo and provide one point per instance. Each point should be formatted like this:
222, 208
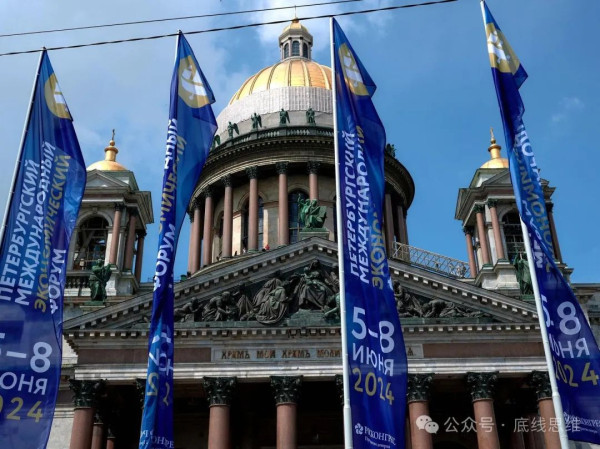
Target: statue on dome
231, 127
216, 141
310, 116
390, 149
284, 117
311, 214
523, 275
98, 279
256, 121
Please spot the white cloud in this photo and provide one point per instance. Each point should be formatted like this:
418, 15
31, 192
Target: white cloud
566, 107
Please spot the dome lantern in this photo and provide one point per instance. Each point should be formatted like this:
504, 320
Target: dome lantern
496, 160
110, 158
295, 41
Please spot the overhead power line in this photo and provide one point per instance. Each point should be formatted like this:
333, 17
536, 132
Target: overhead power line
233, 27
170, 19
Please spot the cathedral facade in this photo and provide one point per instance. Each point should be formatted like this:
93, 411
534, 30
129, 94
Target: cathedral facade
258, 346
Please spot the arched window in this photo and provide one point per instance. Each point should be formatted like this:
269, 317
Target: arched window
246, 227
305, 50
294, 214
286, 51
513, 235
91, 243
295, 48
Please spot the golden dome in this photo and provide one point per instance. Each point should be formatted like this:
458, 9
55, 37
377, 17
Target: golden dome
295, 25
110, 155
289, 72
496, 161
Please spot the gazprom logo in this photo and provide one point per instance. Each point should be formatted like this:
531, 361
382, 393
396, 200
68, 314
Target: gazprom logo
351, 71
191, 88
54, 98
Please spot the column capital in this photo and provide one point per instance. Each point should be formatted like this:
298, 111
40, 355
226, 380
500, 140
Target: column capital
219, 390
491, 203
313, 167
479, 208
286, 389
540, 381
86, 392
190, 213
227, 181
281, 168
468, 230
141, 233
418, 387
207, 192
140, 388
252, 172
119, 207
196, 203
549, 207
482, 385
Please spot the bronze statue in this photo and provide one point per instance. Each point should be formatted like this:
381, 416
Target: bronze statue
231, 127
190, 311
275, 306
216, 141
266, 288
390, 149
312, 291
256, 121
407, 304
310, 116
283, 117
98, 279
243, 303
523, 275
311, 214
220, 308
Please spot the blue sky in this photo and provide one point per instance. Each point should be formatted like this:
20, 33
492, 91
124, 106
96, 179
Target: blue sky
435, 94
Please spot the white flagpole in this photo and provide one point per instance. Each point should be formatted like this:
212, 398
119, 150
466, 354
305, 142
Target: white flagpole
347, 412
21, 148
558, 410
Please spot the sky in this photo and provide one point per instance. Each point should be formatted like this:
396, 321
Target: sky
435, 94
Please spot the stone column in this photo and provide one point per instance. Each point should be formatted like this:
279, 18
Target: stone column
389, 224
227, 216
208, 227
313, 180
286, 390
284, 224
128, 261
116, 231
418, 405
219, 391
540, 381
553, 233
85, 398
98, 432
252, 173
139, 255
192, 242
110, 440
468, 230
481, 386
401, 224
496, 228
479, 210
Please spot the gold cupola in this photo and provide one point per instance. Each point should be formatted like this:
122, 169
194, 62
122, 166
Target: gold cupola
496, 161
110, 158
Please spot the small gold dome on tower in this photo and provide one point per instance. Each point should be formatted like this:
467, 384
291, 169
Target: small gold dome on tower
496, 161
110, 158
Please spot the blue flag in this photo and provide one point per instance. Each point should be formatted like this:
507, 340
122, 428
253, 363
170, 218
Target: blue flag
574, 350
376, 354
190, 132
42, 212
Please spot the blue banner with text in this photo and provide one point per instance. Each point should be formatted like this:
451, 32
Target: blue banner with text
42, 213
573, 346
376, 353
190, 132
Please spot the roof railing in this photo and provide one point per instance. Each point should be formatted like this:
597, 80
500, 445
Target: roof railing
446, 266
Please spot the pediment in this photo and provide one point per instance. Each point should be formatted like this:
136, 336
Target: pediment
209, 299
99, 179
499, 179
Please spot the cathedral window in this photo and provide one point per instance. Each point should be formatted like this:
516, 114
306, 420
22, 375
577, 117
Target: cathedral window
91, 243
294, 214
286, 51
513, 235
305, 50
295, 48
